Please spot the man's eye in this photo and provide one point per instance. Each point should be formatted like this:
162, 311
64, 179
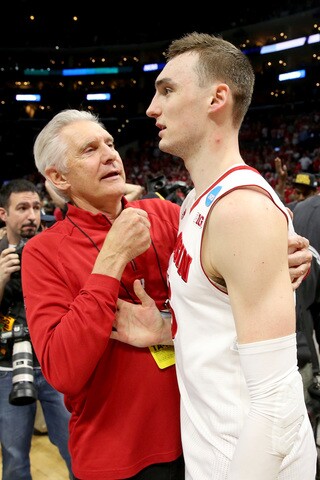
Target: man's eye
88, 150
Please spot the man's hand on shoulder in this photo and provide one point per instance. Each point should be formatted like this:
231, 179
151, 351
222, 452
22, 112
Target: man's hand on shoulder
299, 258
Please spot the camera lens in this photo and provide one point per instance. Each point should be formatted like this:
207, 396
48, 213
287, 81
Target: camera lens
23, 390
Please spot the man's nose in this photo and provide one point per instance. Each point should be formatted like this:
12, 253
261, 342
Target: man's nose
152, 110
32, 214
109, 154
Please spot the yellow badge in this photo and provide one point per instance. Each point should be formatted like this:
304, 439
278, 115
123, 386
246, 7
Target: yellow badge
6, 323
163, 355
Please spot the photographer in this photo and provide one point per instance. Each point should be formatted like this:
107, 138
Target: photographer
20, 211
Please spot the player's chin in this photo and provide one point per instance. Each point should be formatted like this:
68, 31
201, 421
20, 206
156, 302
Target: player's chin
167, 147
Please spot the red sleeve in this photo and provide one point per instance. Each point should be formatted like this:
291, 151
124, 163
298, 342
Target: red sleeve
69, 332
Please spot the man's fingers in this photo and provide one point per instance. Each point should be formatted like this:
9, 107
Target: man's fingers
297, 241
144, 298
142, 294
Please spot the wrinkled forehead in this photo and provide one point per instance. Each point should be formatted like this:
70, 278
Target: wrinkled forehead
84, 128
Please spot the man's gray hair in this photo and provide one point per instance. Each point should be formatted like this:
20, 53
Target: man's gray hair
49, 147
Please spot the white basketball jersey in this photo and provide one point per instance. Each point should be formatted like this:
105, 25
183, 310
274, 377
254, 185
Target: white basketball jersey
214, 396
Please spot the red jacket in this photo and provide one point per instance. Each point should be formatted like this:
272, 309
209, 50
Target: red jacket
125, 410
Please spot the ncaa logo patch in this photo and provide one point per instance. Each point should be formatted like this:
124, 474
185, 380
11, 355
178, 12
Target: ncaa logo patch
212, 195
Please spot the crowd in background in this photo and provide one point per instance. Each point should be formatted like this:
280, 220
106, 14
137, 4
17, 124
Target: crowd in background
295, 138
264, 138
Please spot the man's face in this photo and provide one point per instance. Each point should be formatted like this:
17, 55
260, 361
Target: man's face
180, 106
301, 192
95, 172
22, 217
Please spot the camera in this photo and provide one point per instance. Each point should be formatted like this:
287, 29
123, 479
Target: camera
23, 390
19, 248
168, 190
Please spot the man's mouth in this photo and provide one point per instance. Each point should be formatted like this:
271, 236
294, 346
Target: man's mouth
110, 175
29, 226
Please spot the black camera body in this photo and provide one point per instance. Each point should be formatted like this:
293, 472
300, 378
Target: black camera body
23, 390
166, 189
19, 248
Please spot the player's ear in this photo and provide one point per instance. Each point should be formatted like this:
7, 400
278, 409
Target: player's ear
219, 95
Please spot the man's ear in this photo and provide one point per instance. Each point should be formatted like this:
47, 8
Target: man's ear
57, 178
219, 96
3, 214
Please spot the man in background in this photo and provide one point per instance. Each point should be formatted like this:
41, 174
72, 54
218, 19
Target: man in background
20, 210
306, 220
303, 186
